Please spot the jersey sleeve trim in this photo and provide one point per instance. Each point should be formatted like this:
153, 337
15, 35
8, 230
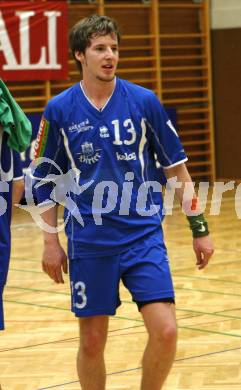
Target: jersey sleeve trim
18, 178
176, 163
46, 203
43, 179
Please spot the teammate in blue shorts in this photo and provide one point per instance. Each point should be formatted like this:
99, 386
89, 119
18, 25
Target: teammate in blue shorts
100, 142
11, 189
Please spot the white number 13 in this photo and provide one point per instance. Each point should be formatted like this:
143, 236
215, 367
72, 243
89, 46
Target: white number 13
129, 128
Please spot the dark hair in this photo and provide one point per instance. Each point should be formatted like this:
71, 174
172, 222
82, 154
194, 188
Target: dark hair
82, 32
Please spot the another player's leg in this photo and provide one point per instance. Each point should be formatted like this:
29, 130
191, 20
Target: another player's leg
90, 360
160, 350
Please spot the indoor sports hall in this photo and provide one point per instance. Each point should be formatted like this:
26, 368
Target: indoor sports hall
188, 53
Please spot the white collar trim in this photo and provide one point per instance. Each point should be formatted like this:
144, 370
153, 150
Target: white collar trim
93, 105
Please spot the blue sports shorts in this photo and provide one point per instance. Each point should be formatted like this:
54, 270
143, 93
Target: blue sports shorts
1, 309
143, 269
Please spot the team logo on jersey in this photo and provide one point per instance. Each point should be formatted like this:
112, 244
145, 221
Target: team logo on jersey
89, 155
41, 141
104, 132
125, 156
80, 127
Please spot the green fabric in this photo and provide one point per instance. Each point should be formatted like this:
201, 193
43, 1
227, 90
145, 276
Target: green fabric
198, 225
14, 121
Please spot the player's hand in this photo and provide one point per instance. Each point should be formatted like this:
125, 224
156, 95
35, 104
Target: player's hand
54, 261
203, 248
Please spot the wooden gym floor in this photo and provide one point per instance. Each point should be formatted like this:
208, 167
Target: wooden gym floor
38, 347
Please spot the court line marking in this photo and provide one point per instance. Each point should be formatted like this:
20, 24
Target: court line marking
26, 270
215, 264
176, 288
198, 312
215, 314
133, 319
68, 339
207, 323
208, 291
174, 271
37, 290
206, 279
139, 368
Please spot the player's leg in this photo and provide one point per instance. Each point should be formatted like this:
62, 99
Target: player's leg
160, 350
95, 296
146, 274
90, 359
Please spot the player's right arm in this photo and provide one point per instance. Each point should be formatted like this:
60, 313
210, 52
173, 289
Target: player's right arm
50, 147
54, 259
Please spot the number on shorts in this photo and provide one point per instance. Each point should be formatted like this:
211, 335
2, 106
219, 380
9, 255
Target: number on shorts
80, 287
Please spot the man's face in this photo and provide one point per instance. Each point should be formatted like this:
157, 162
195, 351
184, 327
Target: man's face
100, 58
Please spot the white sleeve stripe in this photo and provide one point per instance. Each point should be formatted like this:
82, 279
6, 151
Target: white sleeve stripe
46, 203
159, 143
69, 154
176, 163
41, 179
142, 146
18, 178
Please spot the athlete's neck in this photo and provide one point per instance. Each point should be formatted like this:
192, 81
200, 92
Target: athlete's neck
98, 93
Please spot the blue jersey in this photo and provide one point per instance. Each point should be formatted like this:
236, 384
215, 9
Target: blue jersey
10, 169
113, 155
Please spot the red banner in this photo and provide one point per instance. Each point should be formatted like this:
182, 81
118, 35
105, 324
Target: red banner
33, 40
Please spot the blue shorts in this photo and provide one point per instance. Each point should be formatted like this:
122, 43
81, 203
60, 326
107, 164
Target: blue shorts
1, 309
143, 269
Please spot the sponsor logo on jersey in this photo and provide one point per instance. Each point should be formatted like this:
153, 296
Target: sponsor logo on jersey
80, 127
104, 132
42, 136
89, 155
126, 156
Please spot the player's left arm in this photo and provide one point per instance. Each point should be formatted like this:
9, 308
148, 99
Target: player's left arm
202, 242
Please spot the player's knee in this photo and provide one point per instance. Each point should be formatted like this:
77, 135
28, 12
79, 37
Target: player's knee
170, 334
92, 344
165, 335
